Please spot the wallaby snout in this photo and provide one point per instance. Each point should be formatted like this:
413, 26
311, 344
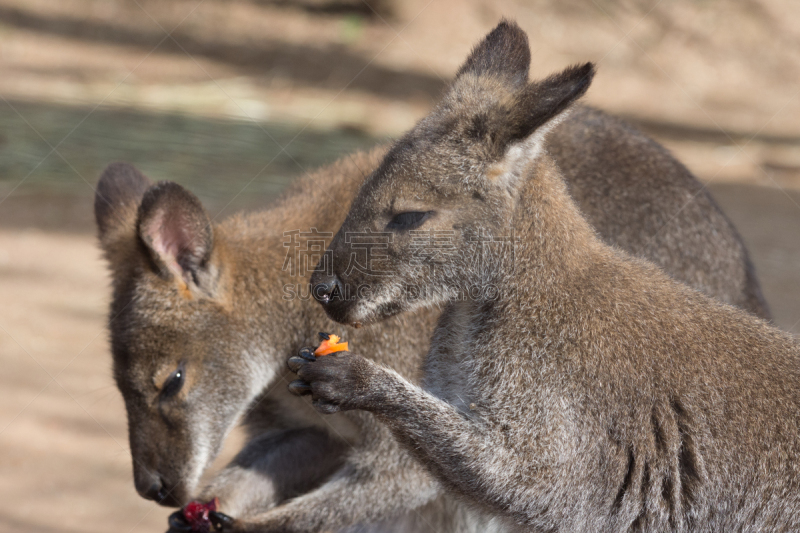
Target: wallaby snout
331, 292
326, 288
364, 265
156, 475
150, 486
159, 462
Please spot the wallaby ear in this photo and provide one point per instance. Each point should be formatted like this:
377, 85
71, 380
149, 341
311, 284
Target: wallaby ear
117, 197
176, 231
541, 102
503, 53
517, 132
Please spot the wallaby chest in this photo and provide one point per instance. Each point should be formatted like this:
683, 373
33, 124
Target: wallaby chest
451, 364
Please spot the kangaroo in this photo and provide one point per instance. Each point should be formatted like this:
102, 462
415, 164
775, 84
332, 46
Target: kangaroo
203, 315
580, 388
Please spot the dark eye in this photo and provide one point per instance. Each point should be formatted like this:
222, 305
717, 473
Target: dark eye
408, 220
174, 382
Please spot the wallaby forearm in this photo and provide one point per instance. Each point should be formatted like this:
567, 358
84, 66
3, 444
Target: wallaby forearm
273, 467
460, 449
381, 488
465, 451
390, 485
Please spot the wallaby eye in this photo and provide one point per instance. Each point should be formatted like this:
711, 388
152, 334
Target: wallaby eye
408, 220
174, 382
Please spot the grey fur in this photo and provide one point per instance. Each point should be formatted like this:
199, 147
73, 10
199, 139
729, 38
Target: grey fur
592, 392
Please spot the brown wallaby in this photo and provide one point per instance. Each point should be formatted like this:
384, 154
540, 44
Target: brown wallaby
578, 388
203, 316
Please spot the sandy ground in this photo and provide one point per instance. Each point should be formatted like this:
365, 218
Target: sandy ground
63, 445
64, 459
210, 92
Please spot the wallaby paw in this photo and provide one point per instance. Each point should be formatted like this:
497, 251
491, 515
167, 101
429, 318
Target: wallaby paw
200, 517
222, 522
299, 387
178, 523
305, 355
325, 407
336, 382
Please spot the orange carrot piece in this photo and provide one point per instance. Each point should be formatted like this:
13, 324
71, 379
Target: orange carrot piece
330, 345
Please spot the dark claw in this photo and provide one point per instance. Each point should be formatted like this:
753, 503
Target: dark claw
299, 387
296, 363
220, 521
177, 522
324, 335
326, 408
308, 354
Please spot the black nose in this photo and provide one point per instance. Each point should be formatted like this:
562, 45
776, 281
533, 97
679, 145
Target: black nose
151, 486
156, 491
148, 485
327, 289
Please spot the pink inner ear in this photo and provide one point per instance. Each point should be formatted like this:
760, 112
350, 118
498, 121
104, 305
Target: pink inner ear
166, 238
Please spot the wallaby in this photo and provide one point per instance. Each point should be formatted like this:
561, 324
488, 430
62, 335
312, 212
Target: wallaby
580, 388
201, 323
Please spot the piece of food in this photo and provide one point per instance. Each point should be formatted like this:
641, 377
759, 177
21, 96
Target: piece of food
196, 514
330, 344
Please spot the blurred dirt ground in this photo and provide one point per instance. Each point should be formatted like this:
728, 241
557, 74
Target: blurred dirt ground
235, 98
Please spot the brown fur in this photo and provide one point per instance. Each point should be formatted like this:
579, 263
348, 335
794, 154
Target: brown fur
590, 392
213, 305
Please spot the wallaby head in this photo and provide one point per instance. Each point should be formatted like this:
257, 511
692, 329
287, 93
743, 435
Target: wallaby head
177, 354
450, 181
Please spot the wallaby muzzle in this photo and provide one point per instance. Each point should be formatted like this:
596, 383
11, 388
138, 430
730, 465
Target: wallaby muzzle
151, 486
330, 291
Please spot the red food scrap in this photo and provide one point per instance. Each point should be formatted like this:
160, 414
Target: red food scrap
196, 513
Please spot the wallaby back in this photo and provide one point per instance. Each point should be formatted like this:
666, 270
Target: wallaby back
606, 162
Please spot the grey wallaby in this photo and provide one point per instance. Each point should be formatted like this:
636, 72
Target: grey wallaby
579, 388
204, 314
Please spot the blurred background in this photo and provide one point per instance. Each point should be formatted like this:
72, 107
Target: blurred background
236, 98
